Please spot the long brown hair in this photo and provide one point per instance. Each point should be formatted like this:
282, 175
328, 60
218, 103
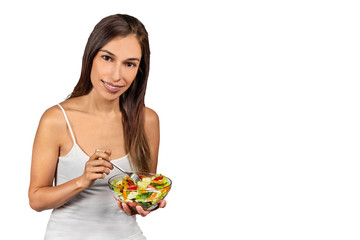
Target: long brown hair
132, 104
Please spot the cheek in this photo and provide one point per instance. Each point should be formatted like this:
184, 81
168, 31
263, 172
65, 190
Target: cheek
98, 72
130, 78
94, 73
130, 75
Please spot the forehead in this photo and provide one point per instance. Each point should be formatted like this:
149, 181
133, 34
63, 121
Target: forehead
124, 47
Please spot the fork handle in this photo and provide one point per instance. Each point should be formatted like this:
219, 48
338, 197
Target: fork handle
119, 168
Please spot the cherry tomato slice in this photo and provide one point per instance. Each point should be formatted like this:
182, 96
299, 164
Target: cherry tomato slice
159, 178
133, 187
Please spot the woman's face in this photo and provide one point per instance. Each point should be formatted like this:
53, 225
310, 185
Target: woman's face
115, 67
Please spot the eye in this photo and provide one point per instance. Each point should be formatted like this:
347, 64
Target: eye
130, 64
106, 58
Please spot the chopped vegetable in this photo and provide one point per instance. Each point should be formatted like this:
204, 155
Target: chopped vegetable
159, 178
156, 181
146, 192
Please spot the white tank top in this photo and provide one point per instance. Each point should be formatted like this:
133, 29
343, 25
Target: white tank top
92, 213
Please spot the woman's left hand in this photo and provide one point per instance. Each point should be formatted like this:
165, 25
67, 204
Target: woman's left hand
139, 209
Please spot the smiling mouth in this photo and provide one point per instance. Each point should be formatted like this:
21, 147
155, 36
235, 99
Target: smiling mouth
110, 87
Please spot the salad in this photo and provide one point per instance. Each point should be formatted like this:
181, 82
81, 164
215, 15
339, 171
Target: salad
147, 192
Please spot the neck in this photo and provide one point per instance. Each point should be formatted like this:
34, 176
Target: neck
100, 106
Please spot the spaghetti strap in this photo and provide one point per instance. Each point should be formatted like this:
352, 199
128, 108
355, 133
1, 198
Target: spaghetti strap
68, 123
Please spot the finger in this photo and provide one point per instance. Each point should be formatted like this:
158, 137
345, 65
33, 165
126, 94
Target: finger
126, 209
119, 204
141, 211
102, 155
162, 203
108, 151
94, 176
100, 163
99, 169
104, 163
100, 151
99, 155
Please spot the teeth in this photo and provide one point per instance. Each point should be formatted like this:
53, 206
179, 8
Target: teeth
111, 86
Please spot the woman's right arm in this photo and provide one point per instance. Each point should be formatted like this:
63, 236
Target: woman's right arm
42, 194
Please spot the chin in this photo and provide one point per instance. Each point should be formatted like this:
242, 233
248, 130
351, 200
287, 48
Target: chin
109, 97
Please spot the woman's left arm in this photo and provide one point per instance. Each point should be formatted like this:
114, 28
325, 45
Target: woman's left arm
152, 131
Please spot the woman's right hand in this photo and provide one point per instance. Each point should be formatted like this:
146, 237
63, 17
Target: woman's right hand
96, 167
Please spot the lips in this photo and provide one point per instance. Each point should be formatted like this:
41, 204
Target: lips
111, 87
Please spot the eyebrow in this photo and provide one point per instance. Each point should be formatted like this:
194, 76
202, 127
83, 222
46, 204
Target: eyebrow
110, 53
133, 59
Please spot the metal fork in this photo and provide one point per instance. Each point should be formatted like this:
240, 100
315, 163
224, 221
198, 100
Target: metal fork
133, 176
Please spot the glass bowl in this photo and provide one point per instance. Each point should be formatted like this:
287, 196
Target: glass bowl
146, 193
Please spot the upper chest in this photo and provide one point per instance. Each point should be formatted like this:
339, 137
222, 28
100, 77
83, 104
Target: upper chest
92, 132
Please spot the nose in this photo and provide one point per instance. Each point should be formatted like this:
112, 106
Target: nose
116, 73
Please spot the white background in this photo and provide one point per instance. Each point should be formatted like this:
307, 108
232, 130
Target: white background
258, 103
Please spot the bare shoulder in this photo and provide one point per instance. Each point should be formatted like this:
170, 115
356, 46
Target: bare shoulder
52, 115
151, 117
50, 132
52, 120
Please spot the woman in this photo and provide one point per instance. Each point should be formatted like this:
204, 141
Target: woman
104, 119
